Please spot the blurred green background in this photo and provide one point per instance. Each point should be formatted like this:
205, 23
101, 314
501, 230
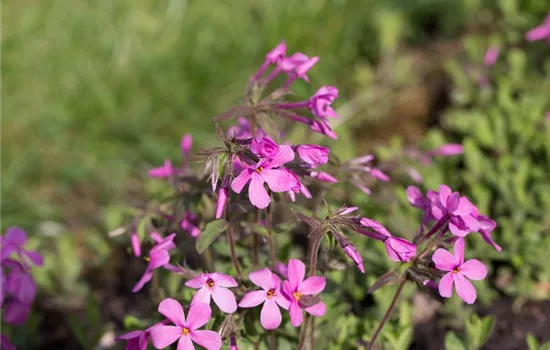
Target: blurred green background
96, 92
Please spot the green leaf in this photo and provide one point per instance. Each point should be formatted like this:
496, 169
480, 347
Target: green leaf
532, 342
212, 230
133, 323
452, 342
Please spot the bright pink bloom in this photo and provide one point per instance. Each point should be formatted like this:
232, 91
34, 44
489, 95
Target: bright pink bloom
491, 56
320, 103
19, 283
13, 241
264, 147
486, 226
158, 257
459, 271
215, 285
190, 224
398, 249
450, 149
164, 171
185, 331
278, 180
296, 287
313, 154
186, 144
223, 197
322, 176
277, 53
459, 209
354, 255
540, 32
270, 296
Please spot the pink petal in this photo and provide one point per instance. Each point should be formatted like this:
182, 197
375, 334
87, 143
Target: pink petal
147, 276
446, 285
186, 144
209, 340
16, 236
223, 280
444, 192
197, 282
240, 181
288, 289
129, 335
285, 155
253, 298
158, 259
458, 228
172, 310
16, 313
312, 285
281, 300
162, 336
444, 260
256, 192
459, 251
318, 309
262, 278
279, 180
537, 33
202, 296
270, 316
136, 244
486, 235
156, 237
225, 299
198, 315
474, 269
185, 343
465, 207
379, 174
296, 314
465, 289
452, 202
296, 272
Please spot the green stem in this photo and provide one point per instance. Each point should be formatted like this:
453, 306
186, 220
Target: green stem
303, 332
234, 258
271, 239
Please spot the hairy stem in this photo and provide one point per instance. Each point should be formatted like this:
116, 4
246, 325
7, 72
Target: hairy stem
313, 254
271, 239
312, 334
303, 332
388, 313
272, 341
234, 258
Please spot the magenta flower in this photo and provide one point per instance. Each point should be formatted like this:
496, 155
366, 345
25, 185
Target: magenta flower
19, 283
13, 241
164, 171
313, 154
137, 340
190, 224
278, 180
540, 32
459, 271
15, 312
491, 56
398, 249
322, 127
264, 147
486, 226
354, 255
270, 296
459, 209
449, 149
185, 331
215, 285
158, 257
223, 197
320, 103
296, 287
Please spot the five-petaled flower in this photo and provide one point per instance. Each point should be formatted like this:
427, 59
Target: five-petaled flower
459, 210
458, 273
158, 257
270, 296
215, 285
185, 331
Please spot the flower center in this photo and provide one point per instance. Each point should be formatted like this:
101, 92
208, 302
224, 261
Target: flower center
147, 258
297, 295
184, 331
260, 169
456, 269
270, 293
210, 283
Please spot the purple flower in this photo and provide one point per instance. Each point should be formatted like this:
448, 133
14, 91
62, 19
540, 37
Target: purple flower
459, 209
296, 287
223, 197
540, 32
185, 331
264, 147
354, 255
313, 154
486, 226
278, 180
320, 103
158, 257
15, 312
190, 224
19, 283
137, 340
13, 241
136, 243
270, 296
215, 285
164, 171
186, 144
459, 271
398, 249
491, 56
6, 344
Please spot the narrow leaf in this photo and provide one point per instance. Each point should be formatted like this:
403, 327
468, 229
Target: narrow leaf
212, 230
388, 277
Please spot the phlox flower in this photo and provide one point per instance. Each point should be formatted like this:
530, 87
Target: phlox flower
296, 287
14, 241
270, 296
215, 285
320, 104
264, 147
163, 171
158, 257
185, 331
137, 340
354, 255
312, 154
459, 272
459, 210
398, 249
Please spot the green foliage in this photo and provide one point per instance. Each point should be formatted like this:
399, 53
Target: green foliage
212, 230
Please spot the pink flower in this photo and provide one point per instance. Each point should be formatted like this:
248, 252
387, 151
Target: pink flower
190, 224
186, 144
277, 53
215, 285
313, 154
264, 147
354, 255
320, 103
398, 249
540, 32
13, 241
137, 340
459, 209
185, 331
278, 180
322, 127
450, 149
491, 56
19, 283
164, 171
459, 271
296, 287
158, 257
296, 66
223, 197
270, 296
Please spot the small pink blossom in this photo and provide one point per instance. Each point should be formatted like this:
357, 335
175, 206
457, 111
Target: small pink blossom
215, 285
137, 340
540, 32
270, 296
164, 171
398, 249
459, 209
158, 257
296, 287
14, 241
320, 103
459, 271
185, 331
379, 175
449, 149
491, 56
313, 154
264, 147
223, 197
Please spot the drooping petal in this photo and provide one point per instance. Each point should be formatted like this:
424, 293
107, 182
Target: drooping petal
147, 276
253, 298
296, 272
465, 289
209, 340
256, 192
225, 299
312, 285
202, 296
296, 314
444, 260
162, 336
446, 285
185, 343
285, 155
270, 316
262, 278
198, 316
459, 251
279, 180
240, 181
223, 280
319, 309
172, 310
21, 284
474, 269
197, 282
